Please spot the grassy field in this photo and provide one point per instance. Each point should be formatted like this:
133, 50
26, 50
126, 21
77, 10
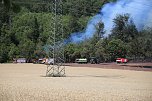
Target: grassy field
27, 82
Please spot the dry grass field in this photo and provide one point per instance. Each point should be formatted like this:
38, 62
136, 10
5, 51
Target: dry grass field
27, 82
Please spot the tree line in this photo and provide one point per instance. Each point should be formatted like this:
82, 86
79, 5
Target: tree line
125, 41
25, 28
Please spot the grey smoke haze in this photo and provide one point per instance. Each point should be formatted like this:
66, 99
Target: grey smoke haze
140, 12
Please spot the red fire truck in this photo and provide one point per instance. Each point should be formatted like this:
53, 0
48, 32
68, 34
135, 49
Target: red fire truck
121, 60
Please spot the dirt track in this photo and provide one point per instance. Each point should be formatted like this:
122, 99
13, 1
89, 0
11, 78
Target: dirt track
128, 66
27, 82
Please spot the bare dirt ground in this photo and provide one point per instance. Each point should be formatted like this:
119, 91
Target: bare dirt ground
27, 82
128, 66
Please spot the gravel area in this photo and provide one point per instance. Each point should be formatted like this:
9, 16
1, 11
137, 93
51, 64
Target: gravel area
27, 82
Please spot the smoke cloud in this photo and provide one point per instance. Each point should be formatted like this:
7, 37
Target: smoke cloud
89, 31
140, 12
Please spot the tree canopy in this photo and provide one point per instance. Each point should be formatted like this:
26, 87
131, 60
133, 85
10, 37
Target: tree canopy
25, 27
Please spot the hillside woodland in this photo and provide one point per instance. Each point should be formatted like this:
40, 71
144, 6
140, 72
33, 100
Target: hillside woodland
25, 30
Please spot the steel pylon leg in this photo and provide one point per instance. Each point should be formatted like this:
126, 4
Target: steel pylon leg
56, 45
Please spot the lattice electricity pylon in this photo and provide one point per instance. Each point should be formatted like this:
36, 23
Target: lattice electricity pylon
56, 44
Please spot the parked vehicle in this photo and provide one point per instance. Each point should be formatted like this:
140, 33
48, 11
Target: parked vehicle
21, 60
39, 61
49, 61
121, 60
82, 60
94, 60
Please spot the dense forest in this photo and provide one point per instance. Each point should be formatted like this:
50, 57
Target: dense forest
25, 29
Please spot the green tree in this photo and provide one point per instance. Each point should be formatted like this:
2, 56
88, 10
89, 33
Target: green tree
70, 52
3, 53
141, 45
124, 28
119, 25
101, 50
36, 31
5, 41
14, 52
116, 49
27, 48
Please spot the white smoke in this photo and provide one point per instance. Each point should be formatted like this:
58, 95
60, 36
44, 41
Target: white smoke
149, 20
140, 12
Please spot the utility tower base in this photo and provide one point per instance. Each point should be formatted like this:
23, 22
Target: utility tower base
56, 44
